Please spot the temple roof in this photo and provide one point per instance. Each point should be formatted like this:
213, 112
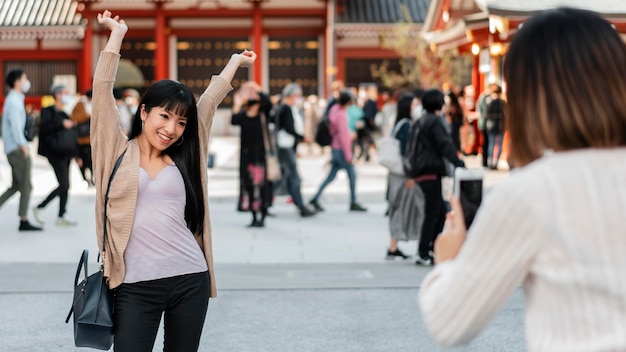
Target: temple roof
382, 11
27, 19
512, 8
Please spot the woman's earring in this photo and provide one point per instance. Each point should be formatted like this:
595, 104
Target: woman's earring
142, 124
180, 141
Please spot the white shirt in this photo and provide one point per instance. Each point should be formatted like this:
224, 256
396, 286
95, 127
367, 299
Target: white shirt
286, 140
558, 228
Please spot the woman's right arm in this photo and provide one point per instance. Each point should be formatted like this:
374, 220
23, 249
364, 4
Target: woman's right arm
106, 135
460, 296
107, 140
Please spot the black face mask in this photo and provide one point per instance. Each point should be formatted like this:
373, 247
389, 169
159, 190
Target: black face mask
252, 102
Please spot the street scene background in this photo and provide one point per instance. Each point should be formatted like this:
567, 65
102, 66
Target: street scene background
299, 284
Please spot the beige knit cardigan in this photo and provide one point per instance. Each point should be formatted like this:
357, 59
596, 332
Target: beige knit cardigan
108, 143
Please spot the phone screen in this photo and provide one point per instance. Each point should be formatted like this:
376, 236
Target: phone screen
471, 194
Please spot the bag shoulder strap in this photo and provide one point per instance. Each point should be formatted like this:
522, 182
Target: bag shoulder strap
106, 201
266, 139
398, 126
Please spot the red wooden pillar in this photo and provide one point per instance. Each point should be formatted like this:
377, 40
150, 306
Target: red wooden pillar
160, 52
257, 32
476, 78
87, 59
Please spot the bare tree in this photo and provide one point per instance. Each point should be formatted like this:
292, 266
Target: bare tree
420, 64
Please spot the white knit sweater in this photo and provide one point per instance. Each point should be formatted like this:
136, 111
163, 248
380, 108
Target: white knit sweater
557, 227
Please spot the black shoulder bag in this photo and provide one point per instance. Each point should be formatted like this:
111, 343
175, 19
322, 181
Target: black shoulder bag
93, 301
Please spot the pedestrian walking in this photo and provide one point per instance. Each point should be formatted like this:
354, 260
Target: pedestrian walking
58, 142
289, 134
454, 114
494, 126
16, 146
341, 153
556, 225
436, 152
406, 202
364, 135
158, 251
81, 115
483, 102
252, 163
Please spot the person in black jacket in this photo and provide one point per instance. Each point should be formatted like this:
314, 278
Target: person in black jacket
440, 147
255, 189
58, 142
290, 133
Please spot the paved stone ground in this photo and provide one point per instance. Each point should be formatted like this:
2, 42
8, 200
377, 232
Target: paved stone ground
315, 284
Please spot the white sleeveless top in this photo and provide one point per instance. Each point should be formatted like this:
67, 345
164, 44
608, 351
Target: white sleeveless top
160, 243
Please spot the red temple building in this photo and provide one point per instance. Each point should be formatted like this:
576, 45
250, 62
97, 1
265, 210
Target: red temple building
312, 42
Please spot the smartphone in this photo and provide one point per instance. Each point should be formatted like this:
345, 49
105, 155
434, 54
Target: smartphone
468, 187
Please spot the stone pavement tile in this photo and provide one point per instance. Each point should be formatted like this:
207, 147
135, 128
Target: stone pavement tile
38, 278
345, 320
336, 235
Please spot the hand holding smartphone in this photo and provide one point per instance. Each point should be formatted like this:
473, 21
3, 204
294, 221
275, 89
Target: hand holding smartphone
468, 187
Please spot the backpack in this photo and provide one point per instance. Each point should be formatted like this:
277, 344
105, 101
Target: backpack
322, 135
414, 160
30, 129
495, 116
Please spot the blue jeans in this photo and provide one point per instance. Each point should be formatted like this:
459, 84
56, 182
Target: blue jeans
494, 139
337, 163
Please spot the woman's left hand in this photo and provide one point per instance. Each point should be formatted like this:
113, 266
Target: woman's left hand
246, 58
451, 239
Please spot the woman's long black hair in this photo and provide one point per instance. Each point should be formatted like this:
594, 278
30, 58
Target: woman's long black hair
404, 107
176, 98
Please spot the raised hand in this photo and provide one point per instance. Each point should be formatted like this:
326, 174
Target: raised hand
245, 58
112, 23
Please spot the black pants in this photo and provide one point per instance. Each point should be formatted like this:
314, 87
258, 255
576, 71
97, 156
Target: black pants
61, 167
485, 147
84, 152
138, 308
364, 140
434, 215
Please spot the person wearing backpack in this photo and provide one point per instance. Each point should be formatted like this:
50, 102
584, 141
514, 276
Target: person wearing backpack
494, 125
16, 146
429, 144
58, 141
341, 154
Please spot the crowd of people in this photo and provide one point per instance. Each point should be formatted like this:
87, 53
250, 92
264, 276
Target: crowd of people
356, 118
63, 133
553, 227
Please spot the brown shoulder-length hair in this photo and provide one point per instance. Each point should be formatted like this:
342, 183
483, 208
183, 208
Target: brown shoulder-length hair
566, 75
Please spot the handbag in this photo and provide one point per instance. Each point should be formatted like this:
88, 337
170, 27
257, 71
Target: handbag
389, 154
272, 165
93, 302
30, 128
64, 142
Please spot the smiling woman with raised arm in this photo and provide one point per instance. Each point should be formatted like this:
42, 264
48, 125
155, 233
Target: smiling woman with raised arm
556, 225
157, 255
